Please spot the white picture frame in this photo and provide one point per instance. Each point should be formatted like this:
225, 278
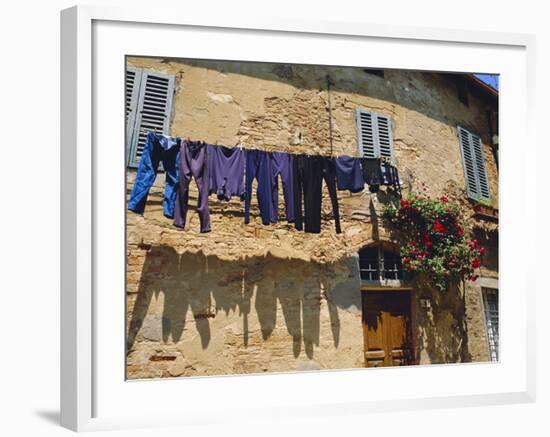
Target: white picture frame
94, 394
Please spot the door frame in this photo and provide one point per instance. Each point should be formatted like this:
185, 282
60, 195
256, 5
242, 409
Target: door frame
413, 312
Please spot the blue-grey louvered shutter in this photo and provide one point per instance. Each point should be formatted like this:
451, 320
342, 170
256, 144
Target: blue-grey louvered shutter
365, 134
154, 109
133, 85
374, 133
475, 172
384, 136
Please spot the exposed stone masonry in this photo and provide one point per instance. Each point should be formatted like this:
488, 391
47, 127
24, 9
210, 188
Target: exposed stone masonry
255, 298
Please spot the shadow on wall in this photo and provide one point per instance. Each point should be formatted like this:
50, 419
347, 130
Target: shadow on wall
415, 91
207, 285
443, 328
488, 240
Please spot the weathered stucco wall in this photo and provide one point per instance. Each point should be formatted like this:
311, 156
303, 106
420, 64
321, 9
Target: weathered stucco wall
255, 298
276, 107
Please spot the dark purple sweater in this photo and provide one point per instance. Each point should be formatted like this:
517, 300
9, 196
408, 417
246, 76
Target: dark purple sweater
226, 171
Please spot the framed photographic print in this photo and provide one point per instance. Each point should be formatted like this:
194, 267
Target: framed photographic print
330, 224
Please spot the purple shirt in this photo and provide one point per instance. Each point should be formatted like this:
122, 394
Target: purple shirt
226, 171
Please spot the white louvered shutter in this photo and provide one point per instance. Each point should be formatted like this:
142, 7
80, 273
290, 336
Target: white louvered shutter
154, 108
475, 172
374, 133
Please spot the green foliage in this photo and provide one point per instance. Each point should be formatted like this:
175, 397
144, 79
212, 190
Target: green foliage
484, 202
433, 239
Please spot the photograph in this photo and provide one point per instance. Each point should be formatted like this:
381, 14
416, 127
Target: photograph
295, 217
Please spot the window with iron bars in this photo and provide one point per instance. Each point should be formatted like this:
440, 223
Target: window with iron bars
379, 263
490, 303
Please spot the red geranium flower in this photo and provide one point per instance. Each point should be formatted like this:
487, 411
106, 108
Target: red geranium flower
438, 227
476, 263
482, 251
444, 199
406, 260
404, 203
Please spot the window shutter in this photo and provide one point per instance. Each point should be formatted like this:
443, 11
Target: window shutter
385, 138
154, 108
482, 180
477, 184
365, 134
374, 133
133, 84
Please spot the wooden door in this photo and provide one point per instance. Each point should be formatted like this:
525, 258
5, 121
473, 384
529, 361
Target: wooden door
387, 328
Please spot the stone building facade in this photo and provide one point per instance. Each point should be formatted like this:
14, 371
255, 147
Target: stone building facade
255, 298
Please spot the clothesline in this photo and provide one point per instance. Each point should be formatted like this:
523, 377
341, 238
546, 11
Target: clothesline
241, 146
229, 172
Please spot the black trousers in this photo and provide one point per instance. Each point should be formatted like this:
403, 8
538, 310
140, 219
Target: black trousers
308, 174
372, 174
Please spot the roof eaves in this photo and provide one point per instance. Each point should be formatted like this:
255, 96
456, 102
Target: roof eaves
482, 85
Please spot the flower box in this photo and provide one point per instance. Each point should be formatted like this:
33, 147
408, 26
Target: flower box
486, 212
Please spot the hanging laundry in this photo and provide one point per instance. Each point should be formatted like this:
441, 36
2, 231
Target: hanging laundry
372, 174
157, 148
281, 165
309, 173
328, 168
226, 168
390, 177
193, 163
258, 166
348, 174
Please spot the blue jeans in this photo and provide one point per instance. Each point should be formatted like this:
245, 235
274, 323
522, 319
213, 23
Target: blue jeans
157, 148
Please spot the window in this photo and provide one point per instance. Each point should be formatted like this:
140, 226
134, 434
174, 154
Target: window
374, 71
490, 303
377, 263
374, 134
475, 173
148, 108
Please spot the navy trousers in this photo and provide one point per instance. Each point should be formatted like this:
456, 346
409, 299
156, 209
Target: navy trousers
281, 165
258, 166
